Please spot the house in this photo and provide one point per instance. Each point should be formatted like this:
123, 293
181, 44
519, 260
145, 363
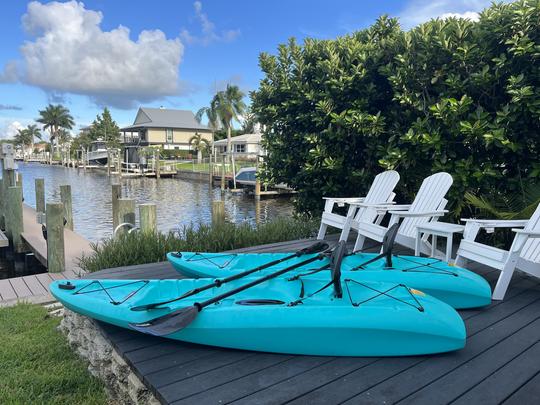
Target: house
169, 129
247, 145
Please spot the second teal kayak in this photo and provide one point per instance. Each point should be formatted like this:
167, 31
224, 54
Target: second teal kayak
458, 287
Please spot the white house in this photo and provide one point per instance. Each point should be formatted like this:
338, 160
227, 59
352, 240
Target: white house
247, 145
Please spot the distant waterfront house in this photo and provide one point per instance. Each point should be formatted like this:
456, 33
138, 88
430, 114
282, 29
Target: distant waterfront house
166, 128
247, 145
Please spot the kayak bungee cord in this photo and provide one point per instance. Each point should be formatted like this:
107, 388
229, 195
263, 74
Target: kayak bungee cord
106, 290
209, 259
317, 247
381, 293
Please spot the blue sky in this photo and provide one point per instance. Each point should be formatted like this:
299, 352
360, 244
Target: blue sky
171, 53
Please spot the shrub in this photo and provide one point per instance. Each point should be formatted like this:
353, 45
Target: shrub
139, 248
449, 95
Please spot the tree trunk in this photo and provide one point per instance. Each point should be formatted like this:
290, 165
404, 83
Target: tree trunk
199, 155
229, 151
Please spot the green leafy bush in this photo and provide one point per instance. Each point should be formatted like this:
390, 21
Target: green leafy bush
449, 95
139, 248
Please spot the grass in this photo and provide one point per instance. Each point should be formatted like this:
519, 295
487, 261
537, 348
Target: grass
139, 248
37, 365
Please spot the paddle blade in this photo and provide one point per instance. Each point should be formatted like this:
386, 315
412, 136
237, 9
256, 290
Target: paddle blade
167, 324
315, 248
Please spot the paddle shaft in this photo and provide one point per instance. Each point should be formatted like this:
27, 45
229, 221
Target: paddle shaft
217, 283
201, 305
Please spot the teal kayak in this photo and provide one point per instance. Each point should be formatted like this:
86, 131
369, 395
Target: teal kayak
281, 316
458, 287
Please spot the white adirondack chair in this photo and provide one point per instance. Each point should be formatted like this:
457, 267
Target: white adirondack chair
523, 254
427, 206
380, 192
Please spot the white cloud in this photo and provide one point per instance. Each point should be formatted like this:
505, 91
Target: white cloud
208, 29
10, 129
70, 53
419, 11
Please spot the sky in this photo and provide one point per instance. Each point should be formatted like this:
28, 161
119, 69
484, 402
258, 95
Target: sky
172, 53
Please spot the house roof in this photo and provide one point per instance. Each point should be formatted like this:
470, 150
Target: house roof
246, 138
165, 118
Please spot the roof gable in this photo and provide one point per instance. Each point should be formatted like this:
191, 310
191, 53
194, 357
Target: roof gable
141, 117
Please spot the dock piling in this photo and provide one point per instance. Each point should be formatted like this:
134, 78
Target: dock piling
56, 261
223, 173
125, 213
116, 194
65, 197
147, 214
218, 212
40, 195
14, 217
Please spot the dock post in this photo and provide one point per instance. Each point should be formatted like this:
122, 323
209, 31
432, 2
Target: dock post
65, 197
157, 168
147, 215
223, 173
126, 213
116, 194
257, 189
108, 162
40, 195
8, 180
56, 260
19, 181
14, 217
218, 212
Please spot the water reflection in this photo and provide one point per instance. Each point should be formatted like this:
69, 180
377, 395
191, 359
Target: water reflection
179, 202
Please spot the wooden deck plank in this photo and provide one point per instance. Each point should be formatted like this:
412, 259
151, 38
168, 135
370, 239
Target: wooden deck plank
203, 383
6, 290
45, 279
488, 328
458, 381
20, 287
34, 285
256, 381
529, 393
306, 382
501, 384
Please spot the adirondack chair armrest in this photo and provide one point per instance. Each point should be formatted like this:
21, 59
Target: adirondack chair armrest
496, 223
418, 214
382, 205
530, 234
341, 201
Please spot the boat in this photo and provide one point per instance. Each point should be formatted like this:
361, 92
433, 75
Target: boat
246, 176
97, 153
277, 315
458, 287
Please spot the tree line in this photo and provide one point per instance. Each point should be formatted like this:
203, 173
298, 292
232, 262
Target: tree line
448, 95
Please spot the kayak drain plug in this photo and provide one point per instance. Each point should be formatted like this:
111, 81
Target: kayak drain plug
66, 286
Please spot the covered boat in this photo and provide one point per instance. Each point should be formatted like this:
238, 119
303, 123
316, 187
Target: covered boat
456, 286
278, 315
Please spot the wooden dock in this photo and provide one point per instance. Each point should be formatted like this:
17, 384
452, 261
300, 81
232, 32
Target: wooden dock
34, 288
498, 365
75, 244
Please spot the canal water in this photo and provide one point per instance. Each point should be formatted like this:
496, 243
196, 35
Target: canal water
178, 202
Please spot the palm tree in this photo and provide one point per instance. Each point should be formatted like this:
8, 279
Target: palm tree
229, 106
33, 132
213, 119
22, 139
54, 118
199, 144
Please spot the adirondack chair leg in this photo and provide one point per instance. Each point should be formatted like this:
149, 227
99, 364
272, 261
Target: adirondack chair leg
505, 277
359, 243
348, 222
322, 231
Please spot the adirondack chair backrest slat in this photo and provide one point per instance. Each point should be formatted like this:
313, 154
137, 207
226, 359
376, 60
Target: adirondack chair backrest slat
380, 191
531, 249
430, 198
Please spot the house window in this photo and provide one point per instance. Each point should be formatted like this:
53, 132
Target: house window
169, 135
240, 148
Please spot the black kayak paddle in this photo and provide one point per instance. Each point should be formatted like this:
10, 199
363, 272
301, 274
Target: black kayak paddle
179, 319
315, 248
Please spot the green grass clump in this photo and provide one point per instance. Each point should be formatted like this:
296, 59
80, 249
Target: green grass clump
37, 365
139, 248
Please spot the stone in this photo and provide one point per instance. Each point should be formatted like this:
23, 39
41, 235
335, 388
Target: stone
104, 362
